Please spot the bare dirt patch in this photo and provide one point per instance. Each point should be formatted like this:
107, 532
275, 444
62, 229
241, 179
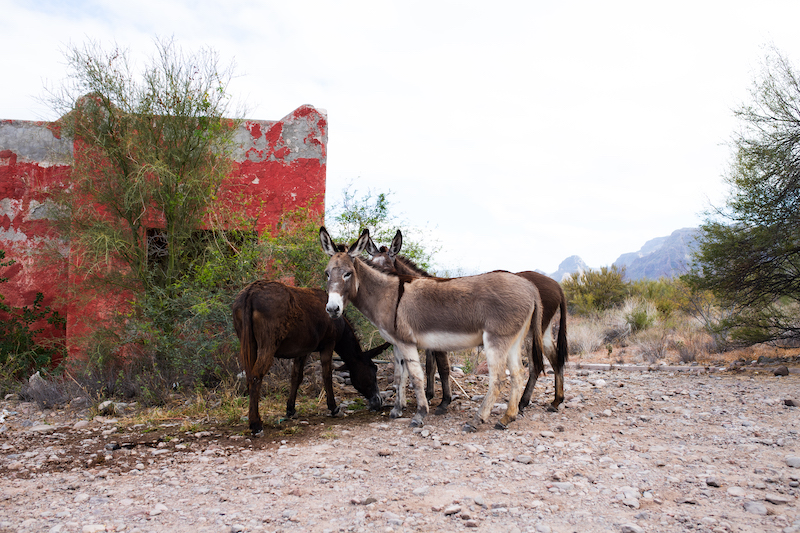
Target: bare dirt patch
673, 449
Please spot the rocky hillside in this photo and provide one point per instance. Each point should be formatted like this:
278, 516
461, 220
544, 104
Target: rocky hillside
660, 257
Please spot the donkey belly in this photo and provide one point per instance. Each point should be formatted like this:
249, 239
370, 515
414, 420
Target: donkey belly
449, 341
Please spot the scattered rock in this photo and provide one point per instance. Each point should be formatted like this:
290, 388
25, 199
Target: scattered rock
781, 371
756, 508
793, 461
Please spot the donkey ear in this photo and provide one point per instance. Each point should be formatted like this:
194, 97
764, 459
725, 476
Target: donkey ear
372, 249
397, 243
327, 243
360, 245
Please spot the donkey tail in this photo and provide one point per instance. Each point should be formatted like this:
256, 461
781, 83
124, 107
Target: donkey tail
537, 348
562, 346
247, 341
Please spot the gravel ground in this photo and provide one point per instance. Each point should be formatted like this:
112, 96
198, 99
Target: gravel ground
651, 451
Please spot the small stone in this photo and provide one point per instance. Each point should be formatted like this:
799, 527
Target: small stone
421, 491
793, 461
712, 482
791, 403
781, 371
384, 453
547, 434
755, 508
80, 424
106, 408
736, 492
631, 502
524, 459
452, 509
777, 499
471, 523
42, 429
93, 528
630, 528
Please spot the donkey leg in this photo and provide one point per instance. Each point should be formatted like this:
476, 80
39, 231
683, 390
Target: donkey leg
298, 365
444, 373
400, 382
533, 372
414, 371
559, 385
515, 370
431, 361
496, 368
254, 390
326, 361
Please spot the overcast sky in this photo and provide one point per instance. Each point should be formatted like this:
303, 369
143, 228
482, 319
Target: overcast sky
515, 133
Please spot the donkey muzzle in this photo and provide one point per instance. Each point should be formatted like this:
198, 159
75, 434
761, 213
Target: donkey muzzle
335, 306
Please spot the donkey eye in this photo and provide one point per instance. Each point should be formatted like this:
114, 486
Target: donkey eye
327, 275
346, 275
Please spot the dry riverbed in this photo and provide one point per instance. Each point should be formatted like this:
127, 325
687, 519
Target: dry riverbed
630, 451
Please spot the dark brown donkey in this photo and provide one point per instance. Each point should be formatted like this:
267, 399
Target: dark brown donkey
274, 320
553, 300
493, 309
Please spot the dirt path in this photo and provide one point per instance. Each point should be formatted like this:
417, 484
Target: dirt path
630, 451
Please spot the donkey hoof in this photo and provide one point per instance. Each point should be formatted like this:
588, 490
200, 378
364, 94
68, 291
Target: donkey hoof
468, 428
395, 413
417, 422
552, 408
440, 410
500, 426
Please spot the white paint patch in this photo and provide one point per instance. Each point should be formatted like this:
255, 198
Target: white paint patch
255, 181
10, 208
448, 341
12, 234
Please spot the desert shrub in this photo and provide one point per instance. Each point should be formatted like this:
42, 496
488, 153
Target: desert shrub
651, 344
640, 314
586, 335
595, 290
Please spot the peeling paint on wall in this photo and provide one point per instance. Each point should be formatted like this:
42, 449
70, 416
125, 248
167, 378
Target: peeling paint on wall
278, 166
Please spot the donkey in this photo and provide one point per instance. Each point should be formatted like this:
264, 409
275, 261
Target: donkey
553, 299
274, 320
388, 260
493, 309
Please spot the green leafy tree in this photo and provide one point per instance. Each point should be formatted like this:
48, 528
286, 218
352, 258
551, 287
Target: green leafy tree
372, 210
749, 249
153, 147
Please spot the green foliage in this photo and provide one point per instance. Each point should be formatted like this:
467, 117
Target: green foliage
154, 149
749, 250
595, 290
349, 217
176, 338
21, 353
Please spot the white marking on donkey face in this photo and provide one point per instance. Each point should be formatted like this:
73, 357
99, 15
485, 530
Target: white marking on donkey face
335, 305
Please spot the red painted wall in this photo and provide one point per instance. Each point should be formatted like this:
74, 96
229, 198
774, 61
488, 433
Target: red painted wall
279, 166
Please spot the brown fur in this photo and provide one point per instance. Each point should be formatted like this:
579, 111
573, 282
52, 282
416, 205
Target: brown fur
275, 320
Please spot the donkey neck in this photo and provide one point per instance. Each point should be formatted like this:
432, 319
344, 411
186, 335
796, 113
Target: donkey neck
377, 295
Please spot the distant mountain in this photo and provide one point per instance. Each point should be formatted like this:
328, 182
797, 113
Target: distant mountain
568, 266
661, 257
